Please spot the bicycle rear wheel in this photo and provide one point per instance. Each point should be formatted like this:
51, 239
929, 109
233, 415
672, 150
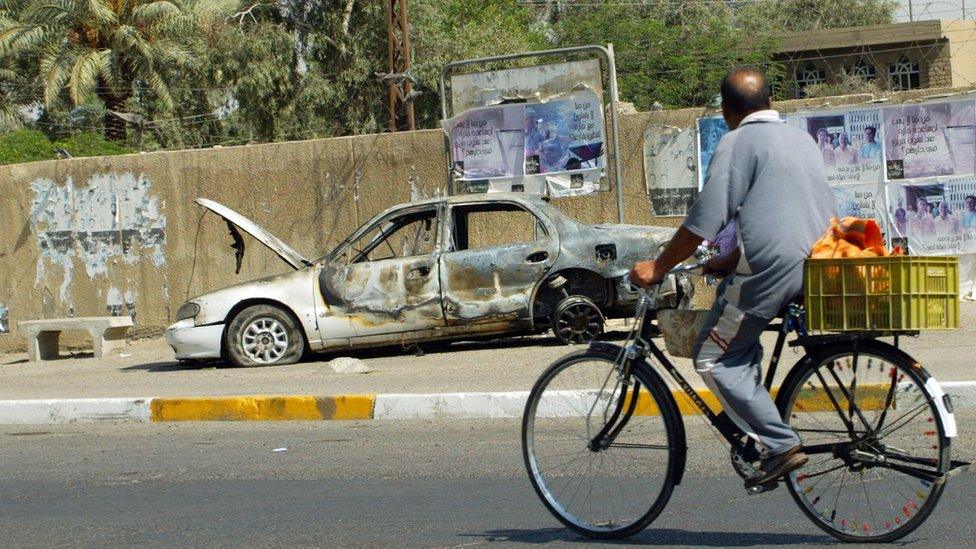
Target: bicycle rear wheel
876, 441
603, 472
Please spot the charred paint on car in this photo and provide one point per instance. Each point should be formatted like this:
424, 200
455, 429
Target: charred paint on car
355, 296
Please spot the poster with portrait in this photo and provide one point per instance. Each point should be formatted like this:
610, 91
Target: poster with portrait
930, 139
564, 134
849, 141
556, 146
670, 169
710, 132
934, 217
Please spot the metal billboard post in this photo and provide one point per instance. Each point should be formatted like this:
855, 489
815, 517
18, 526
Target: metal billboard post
606, 56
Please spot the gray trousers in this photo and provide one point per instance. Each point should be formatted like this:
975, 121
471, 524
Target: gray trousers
728, 356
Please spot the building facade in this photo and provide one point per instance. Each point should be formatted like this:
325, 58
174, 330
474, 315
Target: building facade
900, 56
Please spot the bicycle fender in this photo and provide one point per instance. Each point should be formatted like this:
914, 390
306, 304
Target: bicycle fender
943, 403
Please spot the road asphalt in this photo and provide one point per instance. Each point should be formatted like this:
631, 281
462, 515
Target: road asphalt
148, 369
453, 483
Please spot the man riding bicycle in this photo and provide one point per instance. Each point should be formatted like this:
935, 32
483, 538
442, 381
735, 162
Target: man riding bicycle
768, 179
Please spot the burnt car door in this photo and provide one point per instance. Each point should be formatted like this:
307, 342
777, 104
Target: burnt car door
495, 253
386, 278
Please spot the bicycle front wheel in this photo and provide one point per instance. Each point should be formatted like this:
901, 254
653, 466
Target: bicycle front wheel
877, 444
603, 461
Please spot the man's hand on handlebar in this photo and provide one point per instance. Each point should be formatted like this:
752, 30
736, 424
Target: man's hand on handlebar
646, 274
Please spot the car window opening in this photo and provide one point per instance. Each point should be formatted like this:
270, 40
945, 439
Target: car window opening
396, 237
479, 226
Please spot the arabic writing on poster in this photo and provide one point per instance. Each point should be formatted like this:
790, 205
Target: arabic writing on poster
930, 139
934, 217
864, 200
564, 135
848, 140
487, 142
529, 139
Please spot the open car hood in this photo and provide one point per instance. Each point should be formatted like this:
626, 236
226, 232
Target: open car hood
234, 219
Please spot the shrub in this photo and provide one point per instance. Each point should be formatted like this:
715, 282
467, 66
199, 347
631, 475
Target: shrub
25, 146
31, 145
92, 144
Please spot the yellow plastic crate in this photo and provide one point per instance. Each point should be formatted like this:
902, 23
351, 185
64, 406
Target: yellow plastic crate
899, 293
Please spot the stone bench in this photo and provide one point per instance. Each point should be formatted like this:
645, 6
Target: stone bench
107, 332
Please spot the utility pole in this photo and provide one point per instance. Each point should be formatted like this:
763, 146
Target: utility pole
911, 17
399, 79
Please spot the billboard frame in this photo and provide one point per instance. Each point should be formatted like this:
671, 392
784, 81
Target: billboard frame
607, 62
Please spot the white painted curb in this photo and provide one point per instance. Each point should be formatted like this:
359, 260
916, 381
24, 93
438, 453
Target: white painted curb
450, 405
83, 410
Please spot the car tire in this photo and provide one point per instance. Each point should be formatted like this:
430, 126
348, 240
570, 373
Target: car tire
263, 335
577, 320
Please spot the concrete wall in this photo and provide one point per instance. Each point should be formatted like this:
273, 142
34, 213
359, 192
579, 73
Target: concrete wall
121, 235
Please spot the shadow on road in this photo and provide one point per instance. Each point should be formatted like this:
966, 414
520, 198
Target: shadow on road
658, 536
417, 349
174, 366
439, 347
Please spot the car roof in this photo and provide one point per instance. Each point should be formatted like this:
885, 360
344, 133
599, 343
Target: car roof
481, 197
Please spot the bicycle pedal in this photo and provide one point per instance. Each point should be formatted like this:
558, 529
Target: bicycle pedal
755, 489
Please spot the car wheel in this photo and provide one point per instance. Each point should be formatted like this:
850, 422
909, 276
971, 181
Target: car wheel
576, 320
264, 335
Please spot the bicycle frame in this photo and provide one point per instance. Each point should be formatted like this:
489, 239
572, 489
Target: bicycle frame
643, 346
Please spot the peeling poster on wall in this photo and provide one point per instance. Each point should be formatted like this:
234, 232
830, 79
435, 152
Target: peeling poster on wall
671, 169
114, 215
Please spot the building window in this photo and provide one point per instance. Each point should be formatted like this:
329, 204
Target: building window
809, 74
863, 70
903, 75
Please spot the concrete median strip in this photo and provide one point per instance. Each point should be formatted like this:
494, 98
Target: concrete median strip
495, 405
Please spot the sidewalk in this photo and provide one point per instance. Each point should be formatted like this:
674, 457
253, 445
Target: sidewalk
467, 371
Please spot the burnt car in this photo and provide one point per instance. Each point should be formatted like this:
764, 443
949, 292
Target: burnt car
447, 268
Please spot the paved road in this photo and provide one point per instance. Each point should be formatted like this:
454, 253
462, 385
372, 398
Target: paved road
416, 483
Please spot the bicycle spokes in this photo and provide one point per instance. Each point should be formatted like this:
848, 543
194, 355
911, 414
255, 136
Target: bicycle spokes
876, 453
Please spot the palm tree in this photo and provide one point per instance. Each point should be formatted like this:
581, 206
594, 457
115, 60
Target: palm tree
104, 49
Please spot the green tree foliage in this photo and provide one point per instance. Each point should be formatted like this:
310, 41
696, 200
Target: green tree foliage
25, 146
195, 73
800, 15
32, 145
452, 30
676, 58
104, 49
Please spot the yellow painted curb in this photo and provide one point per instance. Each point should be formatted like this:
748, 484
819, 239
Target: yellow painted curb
262, 408
810, 400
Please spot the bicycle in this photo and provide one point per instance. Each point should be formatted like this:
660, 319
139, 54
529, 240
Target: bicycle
876, 426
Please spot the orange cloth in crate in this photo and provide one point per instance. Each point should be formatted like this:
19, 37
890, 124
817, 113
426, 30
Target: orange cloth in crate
856, 237
852, 237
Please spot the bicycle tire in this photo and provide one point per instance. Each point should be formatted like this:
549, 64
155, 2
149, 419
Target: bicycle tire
537, 418
905, 381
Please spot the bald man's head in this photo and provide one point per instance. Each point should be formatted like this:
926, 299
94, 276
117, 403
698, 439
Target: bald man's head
744, 90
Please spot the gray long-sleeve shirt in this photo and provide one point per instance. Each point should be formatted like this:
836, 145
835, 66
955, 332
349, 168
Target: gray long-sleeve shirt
773, 176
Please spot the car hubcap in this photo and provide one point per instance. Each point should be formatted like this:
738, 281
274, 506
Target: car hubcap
265, 340
579, 323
